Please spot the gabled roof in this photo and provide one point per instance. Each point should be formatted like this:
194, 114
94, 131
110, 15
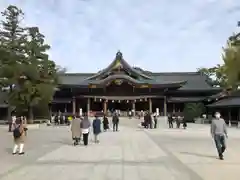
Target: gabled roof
119, 61
189, 81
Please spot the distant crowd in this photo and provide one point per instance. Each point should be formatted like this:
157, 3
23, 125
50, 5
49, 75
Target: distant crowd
81, 126
172, 118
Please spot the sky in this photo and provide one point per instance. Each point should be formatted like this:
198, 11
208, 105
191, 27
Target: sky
156, 35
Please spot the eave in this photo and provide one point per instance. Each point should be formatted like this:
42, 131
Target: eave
185, 99
226, 103
118, 59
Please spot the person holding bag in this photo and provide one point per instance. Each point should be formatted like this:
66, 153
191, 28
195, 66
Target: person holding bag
19, 135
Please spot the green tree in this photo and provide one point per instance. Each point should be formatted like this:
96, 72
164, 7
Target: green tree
216, 75
231, 58
12, 39
25, 68
193, 110
39, 76
228, 74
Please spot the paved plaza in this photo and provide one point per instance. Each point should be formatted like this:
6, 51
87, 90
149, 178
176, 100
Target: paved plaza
132, 153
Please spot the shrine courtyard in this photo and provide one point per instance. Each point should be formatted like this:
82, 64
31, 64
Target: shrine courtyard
132, 153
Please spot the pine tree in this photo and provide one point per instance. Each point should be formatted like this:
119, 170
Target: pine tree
12, 39
25, 68
39, 73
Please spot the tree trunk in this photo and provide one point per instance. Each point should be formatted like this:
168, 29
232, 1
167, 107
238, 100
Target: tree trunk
30, 115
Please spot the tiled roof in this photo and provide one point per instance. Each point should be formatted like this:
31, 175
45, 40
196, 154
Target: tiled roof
231, 98
74, 78
185, 99
228, 102
194, 80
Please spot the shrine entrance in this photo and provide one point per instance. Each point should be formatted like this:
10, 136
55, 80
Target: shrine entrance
119, 105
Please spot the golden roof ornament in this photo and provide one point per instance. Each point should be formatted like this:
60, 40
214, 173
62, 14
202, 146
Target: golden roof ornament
118, 58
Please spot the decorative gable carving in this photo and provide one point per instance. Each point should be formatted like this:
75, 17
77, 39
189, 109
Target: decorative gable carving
119, 66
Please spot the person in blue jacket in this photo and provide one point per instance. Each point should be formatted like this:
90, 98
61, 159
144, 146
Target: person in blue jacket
96, 128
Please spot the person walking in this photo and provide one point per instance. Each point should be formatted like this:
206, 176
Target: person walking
76, 130
115, 121
96, 128
85, 125
145, 123
184, 122
178, 121
19, 135
170, 121
105, 123
219, 134
155, 120
148, 120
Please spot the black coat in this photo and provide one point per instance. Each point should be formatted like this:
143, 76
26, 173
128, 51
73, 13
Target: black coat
105, 123
115, 119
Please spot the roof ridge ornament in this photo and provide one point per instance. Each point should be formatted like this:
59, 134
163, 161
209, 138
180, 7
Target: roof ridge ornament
118, 59
119, 55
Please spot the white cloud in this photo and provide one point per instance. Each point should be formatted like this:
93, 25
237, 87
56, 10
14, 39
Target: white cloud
158, 35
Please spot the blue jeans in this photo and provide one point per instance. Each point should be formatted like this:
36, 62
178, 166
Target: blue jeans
220, 143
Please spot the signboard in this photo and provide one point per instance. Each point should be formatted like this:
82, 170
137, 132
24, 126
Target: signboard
144, 86
92, 86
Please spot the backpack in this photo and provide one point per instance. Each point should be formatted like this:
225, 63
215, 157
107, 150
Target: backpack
16, 132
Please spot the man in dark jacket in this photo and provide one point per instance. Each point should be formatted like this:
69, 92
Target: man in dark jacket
115, 121
96, 128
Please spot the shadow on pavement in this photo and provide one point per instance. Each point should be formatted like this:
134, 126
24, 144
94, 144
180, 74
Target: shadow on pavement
199, 155
8, 150
63, 141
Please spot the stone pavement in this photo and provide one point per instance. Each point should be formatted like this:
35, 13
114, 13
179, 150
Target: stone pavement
132, 153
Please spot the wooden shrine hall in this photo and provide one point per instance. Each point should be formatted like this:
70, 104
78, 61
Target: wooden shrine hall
125, 88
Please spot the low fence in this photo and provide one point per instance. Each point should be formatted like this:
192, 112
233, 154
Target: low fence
35, 121
208, 121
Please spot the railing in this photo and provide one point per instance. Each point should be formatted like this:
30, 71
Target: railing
234, 123
35, 121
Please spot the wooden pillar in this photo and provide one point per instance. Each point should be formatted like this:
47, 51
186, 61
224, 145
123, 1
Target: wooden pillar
88, 106
65, 108
165, 106
133, 108
174, 108
238, 117
73, 105
150, 105
229, 118
105, 107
